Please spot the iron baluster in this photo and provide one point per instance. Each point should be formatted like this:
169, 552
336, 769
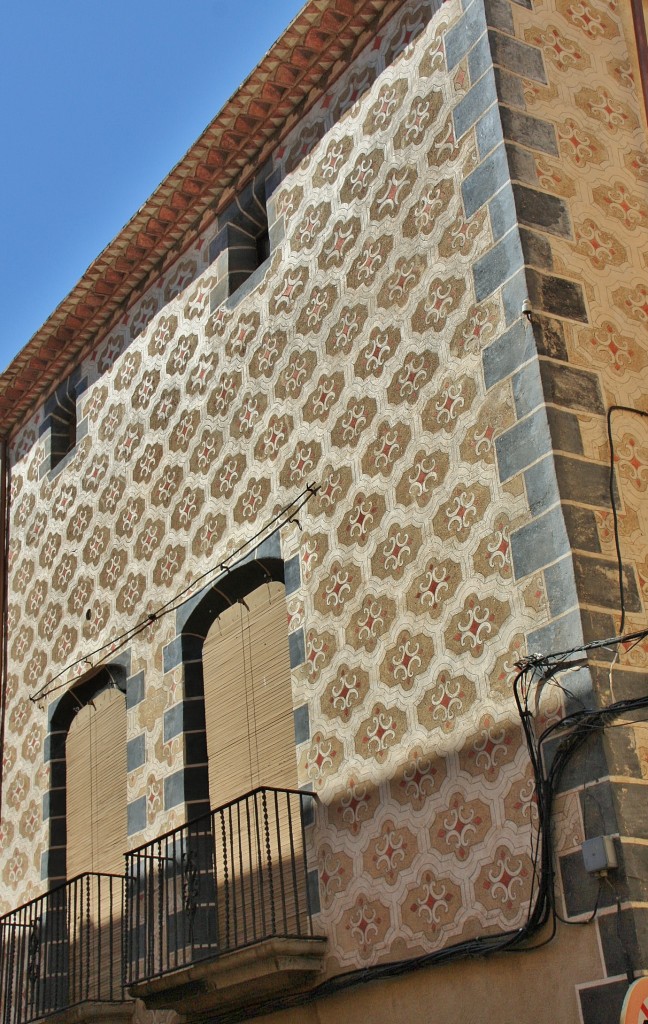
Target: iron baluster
225, 878
282, 882
266, 826
33, 954
190, 889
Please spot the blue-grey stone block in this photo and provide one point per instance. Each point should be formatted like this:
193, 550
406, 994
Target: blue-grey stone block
292, 575
136, 752
269, 548
46, 806
527, 388
529, 131
541, 485
504, 355
218, 294
193, 714
522, 164
519, 57
499, 15
62, 464
557, 296
539, 543
536, 248
479, 58
510, 88
477, 100
272, 182
564, 428
136, 815
573, 388
307, 806
462, 36
123, 660
277, 233
489, 131
561, 586
54, 746
514, 292
184, 612
248, 286
172, 654
82, 429
522, 444
51, 711
173, 790
302, 724
313, 891
487, 179
218, 244
134, 690
297, 648
560, 635
541, 210
497, 265
583, 893
502, 212
173, 721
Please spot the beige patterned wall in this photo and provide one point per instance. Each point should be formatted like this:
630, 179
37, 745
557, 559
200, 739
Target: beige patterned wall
602, 172
355, 364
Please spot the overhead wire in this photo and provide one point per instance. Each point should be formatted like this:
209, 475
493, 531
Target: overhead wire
577, 727
535, 671
223, 567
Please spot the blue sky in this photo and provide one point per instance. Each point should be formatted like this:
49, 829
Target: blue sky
98, 101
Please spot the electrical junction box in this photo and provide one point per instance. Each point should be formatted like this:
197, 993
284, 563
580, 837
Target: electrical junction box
599, 855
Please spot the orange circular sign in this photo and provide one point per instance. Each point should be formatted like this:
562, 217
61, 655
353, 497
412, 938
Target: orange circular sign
635, 1004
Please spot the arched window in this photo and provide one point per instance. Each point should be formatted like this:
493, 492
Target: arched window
248, 697
86, 748
87, 801
95, 755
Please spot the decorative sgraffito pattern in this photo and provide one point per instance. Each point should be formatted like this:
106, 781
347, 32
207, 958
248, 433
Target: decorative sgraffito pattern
356, 363
603, 170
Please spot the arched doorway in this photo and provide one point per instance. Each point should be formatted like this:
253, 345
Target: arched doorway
236, 869
95, 757
78, 931
248, 697
87, 795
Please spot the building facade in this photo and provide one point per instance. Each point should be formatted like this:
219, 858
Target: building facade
314, 460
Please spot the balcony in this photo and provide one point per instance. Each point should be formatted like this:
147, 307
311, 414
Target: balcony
61, 955
209, 917
218, 912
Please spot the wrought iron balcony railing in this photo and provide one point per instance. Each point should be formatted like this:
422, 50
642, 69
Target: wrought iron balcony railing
222, 882
62, 949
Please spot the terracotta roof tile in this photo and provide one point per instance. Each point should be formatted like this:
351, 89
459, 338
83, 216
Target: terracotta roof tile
281, 88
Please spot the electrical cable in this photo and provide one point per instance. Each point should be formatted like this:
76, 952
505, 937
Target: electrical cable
187, 593
557, 659
590, 917
577, 726
582, 723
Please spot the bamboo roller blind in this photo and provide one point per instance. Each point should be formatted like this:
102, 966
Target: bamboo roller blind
248, 698
95, 753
